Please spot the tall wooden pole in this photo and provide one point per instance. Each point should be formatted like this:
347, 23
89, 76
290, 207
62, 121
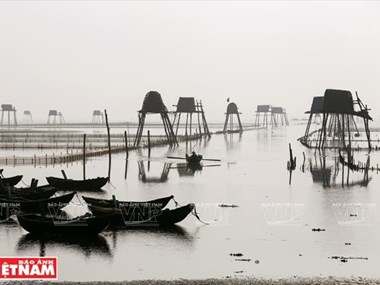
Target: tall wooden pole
109, 146
84, 157
126, 144
148, 143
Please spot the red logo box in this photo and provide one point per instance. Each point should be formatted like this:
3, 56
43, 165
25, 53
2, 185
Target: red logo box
41, 268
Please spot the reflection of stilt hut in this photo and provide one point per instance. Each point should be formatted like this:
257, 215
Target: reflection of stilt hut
188, 106
8, 108
339, 128
97, 117
153, 104
154, 179
232, 109
320, 173
278, 116
54, 114
27, 118
262, 114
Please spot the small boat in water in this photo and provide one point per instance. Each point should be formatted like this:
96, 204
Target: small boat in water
113, 203
10, 181
131, 217
30, 193
9, 206
194, 159
94, 184
79, 226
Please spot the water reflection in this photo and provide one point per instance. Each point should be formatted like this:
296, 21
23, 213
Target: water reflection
171, 235
329, 171
232, 138
88, 246
153, 179
191, 145
184, 169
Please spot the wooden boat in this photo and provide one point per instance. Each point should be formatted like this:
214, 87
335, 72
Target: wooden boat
79, 226
143, 216
94, 184
11, 181
51, 206
157, 203
40, 192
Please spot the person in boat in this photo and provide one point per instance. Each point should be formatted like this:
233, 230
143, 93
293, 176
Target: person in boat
193, 158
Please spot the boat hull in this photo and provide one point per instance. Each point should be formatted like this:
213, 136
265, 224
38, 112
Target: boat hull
78, 185
143, 216
80, 226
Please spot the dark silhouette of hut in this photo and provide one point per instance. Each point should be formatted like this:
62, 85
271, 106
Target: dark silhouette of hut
189, 106
339, 111
54, 114
97, 117
278, 114
27, 118
262, 114
232, 110
8, 108
153, 104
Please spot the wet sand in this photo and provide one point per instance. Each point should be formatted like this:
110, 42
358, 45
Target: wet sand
235, 281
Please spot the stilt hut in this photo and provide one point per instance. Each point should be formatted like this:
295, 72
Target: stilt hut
153, 104
188, 106
232, 110
27, 118
53, 115
262, 114
97, 117
279, 117
8, 109
339, 127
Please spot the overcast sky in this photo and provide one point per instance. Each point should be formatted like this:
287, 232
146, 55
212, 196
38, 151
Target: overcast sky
79, 56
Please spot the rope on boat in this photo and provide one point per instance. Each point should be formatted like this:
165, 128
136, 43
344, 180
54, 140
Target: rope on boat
176, 203
22, 180
109, 183
194, 212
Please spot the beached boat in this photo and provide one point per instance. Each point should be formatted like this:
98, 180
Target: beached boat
40, 192
113, 203
51, 206
11, 181
131, 217
79, 226
94, 184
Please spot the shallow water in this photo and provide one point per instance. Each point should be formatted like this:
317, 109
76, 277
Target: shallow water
272, 227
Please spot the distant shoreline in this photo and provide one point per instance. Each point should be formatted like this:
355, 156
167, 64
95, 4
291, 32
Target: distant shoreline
226, 281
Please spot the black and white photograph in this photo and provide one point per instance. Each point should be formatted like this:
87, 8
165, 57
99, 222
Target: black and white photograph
189, 142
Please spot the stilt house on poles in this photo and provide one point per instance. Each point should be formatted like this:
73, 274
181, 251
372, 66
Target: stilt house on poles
153, 104
8, 108
97, 117
189, 106
262, 114
340, 115
279, 117
232, 110
27, 118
